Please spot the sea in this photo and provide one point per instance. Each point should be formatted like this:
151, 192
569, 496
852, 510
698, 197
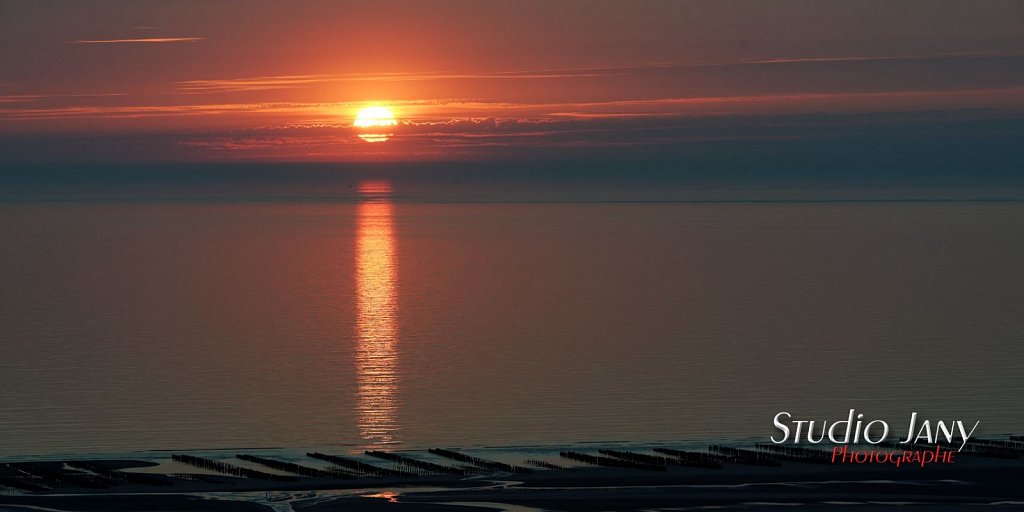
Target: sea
402, 318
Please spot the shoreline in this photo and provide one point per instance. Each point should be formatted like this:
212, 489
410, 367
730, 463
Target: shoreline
592, 479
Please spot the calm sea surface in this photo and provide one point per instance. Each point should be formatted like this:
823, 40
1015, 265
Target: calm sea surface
138, 326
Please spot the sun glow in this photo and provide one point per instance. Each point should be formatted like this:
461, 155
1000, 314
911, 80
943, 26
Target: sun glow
373, 123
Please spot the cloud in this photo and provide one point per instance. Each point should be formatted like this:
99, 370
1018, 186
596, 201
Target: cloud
25, 98
138, 40
259, 83
461, 137
885, 58
970, 141
143, 111
19, 98
448, 111
595, 132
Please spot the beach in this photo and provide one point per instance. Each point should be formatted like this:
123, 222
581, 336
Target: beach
615, 478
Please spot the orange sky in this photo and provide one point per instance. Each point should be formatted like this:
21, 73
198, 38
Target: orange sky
220, 80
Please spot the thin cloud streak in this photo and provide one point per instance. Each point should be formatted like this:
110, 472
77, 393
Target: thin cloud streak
477, 135
137, 111
693, 137
884, 58
296, 81
19, 98
138, 40
448, 110
260, 83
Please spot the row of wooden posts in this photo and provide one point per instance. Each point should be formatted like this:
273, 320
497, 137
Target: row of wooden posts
478, 462
360, 466
228, 469
297, 469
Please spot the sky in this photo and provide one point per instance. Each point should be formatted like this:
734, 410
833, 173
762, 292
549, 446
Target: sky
788, 83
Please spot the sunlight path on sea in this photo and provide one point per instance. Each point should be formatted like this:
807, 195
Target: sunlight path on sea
376, 321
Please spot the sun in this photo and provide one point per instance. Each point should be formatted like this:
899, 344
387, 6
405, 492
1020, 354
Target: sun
373, 122
375, 116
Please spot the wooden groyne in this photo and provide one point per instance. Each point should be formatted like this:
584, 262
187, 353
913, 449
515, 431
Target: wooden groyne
639, 458
693, 459
121, 476
228, 469
609, 461
51, 478
544, 464
976, 447
1010, 447
995, 452
896, 445
14, 483
748, 457
797, 453
416, 463
478, 462
361, 467
206, 479
296, 469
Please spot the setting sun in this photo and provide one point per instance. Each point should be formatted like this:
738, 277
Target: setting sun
374, 118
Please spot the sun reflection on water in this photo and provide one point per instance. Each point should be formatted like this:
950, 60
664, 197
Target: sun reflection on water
376, 320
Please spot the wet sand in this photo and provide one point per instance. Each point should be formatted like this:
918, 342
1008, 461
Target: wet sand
971, 481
